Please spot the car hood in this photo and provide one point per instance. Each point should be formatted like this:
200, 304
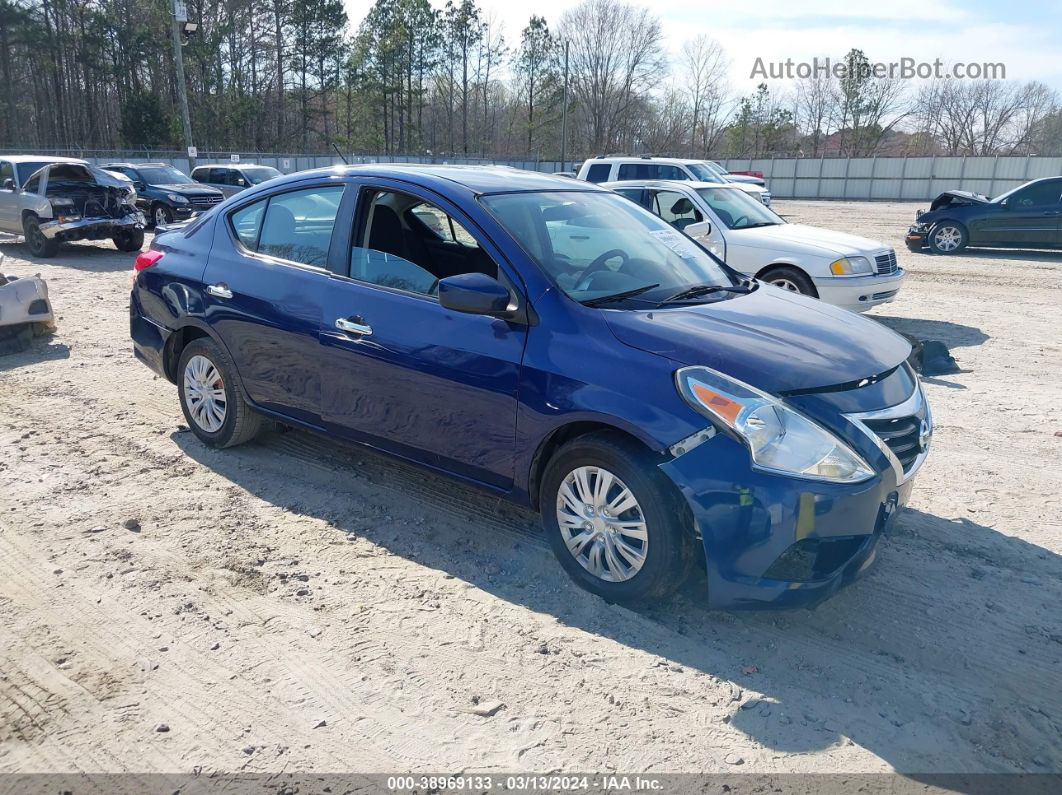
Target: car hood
958, 197
188, 188
772, 339
813, 238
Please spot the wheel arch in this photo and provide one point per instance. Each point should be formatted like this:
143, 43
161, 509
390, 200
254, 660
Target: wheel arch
774, 265
559, 437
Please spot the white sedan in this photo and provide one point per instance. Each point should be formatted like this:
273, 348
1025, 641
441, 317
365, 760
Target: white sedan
846, 270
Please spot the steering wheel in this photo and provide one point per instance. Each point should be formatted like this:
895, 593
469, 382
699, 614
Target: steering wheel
737, 221
599, 265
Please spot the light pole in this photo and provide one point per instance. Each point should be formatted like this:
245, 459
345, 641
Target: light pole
564, 114
181, 28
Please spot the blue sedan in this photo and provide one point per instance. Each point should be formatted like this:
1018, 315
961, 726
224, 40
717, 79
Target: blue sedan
553, 343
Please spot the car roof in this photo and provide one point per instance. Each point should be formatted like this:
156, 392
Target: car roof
42, 159
675, 161
138, 165
670, 183
477, 179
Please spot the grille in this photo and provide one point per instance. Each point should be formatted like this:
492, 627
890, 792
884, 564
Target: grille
201, 202
885, 264
901, 435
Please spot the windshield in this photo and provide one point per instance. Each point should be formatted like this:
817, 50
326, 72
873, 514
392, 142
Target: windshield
159, 175
258, 174
737, 209
594, 245
703, 173
26, 170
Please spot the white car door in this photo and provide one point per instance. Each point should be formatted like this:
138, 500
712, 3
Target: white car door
9, 213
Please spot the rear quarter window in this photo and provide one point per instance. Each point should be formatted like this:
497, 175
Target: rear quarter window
599, 172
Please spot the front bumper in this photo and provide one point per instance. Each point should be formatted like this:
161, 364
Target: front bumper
917, 237
92, 227
779, 542
859, 293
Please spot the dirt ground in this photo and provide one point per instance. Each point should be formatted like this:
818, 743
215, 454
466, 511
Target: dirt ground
297, 605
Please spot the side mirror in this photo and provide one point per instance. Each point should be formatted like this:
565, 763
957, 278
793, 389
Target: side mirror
140, 185
699, 229
474, 294
241, 182
9, 184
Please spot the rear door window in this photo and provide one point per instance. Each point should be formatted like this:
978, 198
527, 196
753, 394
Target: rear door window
294, 226
7, 171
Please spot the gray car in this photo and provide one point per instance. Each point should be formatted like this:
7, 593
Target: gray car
230, 179
52, 200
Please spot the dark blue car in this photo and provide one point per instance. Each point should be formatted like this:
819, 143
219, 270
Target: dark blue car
555, 344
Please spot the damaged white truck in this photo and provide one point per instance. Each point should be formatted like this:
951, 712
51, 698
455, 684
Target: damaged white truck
51, 201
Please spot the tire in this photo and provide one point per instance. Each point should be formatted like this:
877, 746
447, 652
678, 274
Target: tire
238, 423
948, 237
129, 240
161, 214
39, 245
668, 543
792, 279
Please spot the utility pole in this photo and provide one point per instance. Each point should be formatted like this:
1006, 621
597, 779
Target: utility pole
564, 114
180, 23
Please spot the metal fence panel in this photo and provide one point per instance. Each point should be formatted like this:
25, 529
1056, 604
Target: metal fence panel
878, 178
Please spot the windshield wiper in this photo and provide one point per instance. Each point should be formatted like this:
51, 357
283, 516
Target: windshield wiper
759, 224
604, 299
699, 290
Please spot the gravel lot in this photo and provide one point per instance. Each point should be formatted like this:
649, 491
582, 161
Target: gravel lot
298, 605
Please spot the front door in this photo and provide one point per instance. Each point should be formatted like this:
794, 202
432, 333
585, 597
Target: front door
1029, 217
264, 284
9, 212
399, 371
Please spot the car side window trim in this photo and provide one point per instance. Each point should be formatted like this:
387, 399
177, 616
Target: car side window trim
329, 266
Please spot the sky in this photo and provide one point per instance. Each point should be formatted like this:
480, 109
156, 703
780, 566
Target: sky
1021, 34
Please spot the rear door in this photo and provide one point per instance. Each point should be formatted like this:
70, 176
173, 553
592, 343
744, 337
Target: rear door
404, 374
267, 273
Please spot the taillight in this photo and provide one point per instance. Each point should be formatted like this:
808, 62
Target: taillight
146, 259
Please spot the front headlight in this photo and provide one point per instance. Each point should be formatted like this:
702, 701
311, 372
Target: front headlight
779, 438
176, 198
851, 266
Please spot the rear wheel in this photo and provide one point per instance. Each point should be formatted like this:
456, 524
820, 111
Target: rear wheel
39, 245
128, 240
948, 237
614, 522
210, 399
791, 279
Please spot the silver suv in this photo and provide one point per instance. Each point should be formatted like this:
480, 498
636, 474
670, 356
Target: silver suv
51, 200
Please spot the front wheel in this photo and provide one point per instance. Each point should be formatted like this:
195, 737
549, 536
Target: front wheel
210, 399
614, 522
129, 240
948, 237
161, 215
39, 245
790, 279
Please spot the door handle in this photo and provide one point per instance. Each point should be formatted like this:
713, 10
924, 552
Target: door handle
219, 291
579, 237
1053, 212
352, 326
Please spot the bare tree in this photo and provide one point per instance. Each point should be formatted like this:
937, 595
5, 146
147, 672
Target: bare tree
616, 58
703, 70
